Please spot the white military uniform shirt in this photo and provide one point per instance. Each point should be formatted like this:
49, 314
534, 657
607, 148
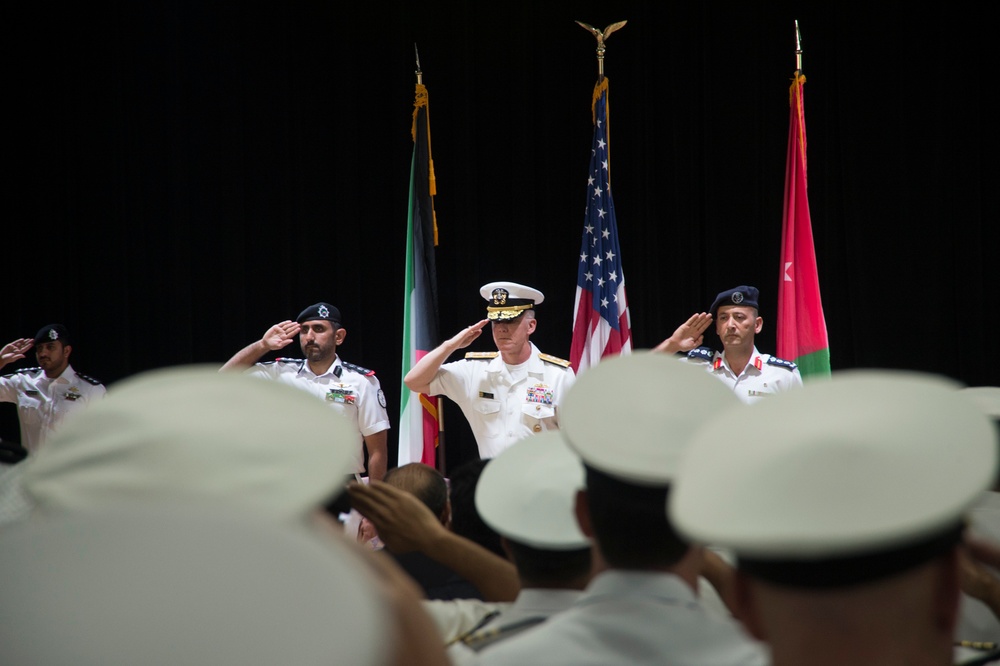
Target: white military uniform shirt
500, 408
454, 618
42, 402
356, 395
531, 606
764, 375
632, 617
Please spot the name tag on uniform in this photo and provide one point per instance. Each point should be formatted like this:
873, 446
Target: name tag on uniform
31, 392
484, 394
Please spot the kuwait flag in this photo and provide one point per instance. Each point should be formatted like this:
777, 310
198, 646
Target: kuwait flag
418, 417
801, 325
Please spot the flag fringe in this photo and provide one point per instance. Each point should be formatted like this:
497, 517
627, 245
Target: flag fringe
601, 87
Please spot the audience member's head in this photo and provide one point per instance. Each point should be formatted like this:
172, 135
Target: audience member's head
211, 442
627, 521
527, 495
427, 484
631, 440
845, 519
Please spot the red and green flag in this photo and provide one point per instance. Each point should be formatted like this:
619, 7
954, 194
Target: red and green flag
801, 324
418, 415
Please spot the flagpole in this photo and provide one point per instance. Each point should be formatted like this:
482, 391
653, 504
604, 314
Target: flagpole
439, 458
420, 73
798, 48
601, 35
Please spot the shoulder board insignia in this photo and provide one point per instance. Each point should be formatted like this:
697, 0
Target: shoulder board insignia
358, 369
23, 371
287, 360
474, 356
488, 636
486, 619
704, 354
554, 360
781, 363
89, 379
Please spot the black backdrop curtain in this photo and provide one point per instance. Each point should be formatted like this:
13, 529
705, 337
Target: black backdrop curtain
183, 174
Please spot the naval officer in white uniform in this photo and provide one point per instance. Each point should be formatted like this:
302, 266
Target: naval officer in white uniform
505, 395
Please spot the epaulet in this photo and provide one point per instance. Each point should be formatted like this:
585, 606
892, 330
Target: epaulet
554, 360
88, 379
704, 354
781, 363
358, 369
285, 359
488, 636
23, 371
481, 356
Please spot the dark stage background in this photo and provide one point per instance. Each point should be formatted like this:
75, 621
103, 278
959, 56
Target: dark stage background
184, 174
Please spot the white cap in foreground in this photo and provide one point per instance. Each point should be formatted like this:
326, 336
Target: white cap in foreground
632, 417
527, 493
196, 433
847, 480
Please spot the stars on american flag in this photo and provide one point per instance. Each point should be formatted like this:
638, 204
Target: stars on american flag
600, 242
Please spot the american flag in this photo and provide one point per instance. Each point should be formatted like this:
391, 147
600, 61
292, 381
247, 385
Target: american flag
601, 324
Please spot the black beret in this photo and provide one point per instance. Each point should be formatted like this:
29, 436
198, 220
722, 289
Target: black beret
319, 311
52, 332
742, 295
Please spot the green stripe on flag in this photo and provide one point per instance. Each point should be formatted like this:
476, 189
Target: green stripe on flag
816, 364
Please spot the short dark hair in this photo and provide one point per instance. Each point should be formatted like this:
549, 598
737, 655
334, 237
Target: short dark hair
549, 568
424, 482
630, 523
465, 519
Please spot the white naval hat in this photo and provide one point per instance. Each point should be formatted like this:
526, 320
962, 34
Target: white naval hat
986, 397
633, 416
182, 584
527, 493
509, 300
196, 432
845, 481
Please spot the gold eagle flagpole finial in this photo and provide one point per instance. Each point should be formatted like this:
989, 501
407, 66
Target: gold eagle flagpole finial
601, 35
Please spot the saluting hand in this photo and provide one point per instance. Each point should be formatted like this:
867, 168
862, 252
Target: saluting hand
403, 522
281, 335
15, 351
465, 337
688, 335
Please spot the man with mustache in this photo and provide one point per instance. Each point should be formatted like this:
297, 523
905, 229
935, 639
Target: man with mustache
751, 375
46, 394
349, 389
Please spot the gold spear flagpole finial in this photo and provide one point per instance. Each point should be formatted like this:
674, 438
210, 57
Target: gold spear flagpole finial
601, 35
798, 47
419, 72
